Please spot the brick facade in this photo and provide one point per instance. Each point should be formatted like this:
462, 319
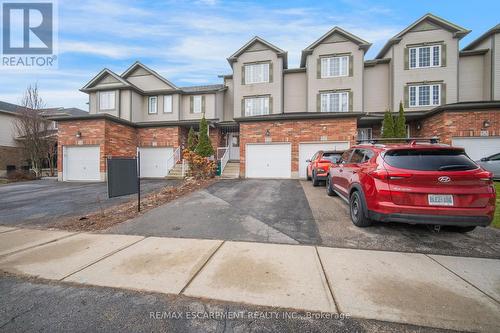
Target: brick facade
447, 125
295, 132
10, 156
114, 139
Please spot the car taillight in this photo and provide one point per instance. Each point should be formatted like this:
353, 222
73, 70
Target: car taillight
384, 175
485, 175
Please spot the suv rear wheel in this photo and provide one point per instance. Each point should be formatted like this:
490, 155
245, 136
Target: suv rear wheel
357, 210
329, 188
315, 180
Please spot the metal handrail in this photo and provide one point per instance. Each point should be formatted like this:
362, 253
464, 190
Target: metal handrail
218, 155
224, 160
176, 156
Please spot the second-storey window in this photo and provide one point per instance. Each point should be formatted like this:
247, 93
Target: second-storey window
335, 102
256, 73
424, 95
334, 66
425, 56
197, 104
152, 104
257, 106
106, 100
167, 104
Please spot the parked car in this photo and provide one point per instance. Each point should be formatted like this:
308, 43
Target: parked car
491, 163
319, 164
413, 183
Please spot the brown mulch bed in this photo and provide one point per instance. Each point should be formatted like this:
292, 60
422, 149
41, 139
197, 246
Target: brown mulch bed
101, 220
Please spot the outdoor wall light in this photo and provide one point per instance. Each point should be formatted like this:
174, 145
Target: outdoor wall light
78, 135
419, 126
486, 124
268, 133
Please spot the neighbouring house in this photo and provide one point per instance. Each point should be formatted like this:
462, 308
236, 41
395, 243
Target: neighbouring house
267, 119
11, 156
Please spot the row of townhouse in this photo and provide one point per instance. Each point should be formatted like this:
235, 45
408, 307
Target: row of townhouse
270, 118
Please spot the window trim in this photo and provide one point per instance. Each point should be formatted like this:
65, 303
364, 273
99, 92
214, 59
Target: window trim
113, 106
330, 58
165, 97
417, 95
263, 63
150, 98
431, 56
365, 128
321, 93
201, 104
266, 97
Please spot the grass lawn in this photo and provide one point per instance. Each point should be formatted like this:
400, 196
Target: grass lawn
496, 220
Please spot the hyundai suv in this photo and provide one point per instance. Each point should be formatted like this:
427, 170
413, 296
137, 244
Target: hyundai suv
413, 183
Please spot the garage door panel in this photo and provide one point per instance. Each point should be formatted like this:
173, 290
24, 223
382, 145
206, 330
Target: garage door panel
307, 150
268, 161
478, 147
82, 163
156, 162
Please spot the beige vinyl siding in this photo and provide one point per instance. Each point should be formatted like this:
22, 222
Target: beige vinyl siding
228, 100
125, 104
138, 107
7, 130
93, 102
147, 81
160, 115
274, 88
113, 111
353, 83
496, 73
376, 88
295, 90
471, 78
448, 74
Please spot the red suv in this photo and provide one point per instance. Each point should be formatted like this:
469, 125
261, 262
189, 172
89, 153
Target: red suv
413, 183
319, 164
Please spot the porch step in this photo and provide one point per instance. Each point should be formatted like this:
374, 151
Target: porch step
176, 172
231, 171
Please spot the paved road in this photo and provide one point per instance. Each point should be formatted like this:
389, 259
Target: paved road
273, 211
42, 202
40, 306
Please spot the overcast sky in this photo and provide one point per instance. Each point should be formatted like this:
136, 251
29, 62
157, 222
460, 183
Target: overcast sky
188, 41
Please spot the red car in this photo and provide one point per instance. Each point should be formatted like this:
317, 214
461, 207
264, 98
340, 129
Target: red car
319, 165
414, 183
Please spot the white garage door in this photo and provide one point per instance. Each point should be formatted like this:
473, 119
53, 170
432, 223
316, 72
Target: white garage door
268, 160
81, 163
307, 150
156, 162
478, 147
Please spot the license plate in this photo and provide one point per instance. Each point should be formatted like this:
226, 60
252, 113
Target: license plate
440, 200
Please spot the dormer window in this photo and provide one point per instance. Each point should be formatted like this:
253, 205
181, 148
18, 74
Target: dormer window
425, 56
334, 66
257, 73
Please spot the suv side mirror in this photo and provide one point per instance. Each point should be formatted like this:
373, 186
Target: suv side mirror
485, 159
308, 160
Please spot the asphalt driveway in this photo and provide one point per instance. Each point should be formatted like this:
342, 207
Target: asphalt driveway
43, 202
295, 212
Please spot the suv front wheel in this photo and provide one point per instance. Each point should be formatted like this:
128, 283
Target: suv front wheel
357, 210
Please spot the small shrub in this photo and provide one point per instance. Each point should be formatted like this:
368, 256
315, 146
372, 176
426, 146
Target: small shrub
21, 175
200, 167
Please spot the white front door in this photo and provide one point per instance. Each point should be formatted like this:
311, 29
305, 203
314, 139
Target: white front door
478, 147
234, 145
156, 162
307, 150
269, 160
81, 163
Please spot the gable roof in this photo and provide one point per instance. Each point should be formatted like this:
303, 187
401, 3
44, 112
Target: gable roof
59, 112
280, 52
477, 41
457, 30
363, 44
9, 107
137, 64
103, 73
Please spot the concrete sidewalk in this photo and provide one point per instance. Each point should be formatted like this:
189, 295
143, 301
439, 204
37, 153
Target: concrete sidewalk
426, 290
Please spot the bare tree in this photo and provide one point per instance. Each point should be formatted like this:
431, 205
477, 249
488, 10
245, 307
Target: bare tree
32, 130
